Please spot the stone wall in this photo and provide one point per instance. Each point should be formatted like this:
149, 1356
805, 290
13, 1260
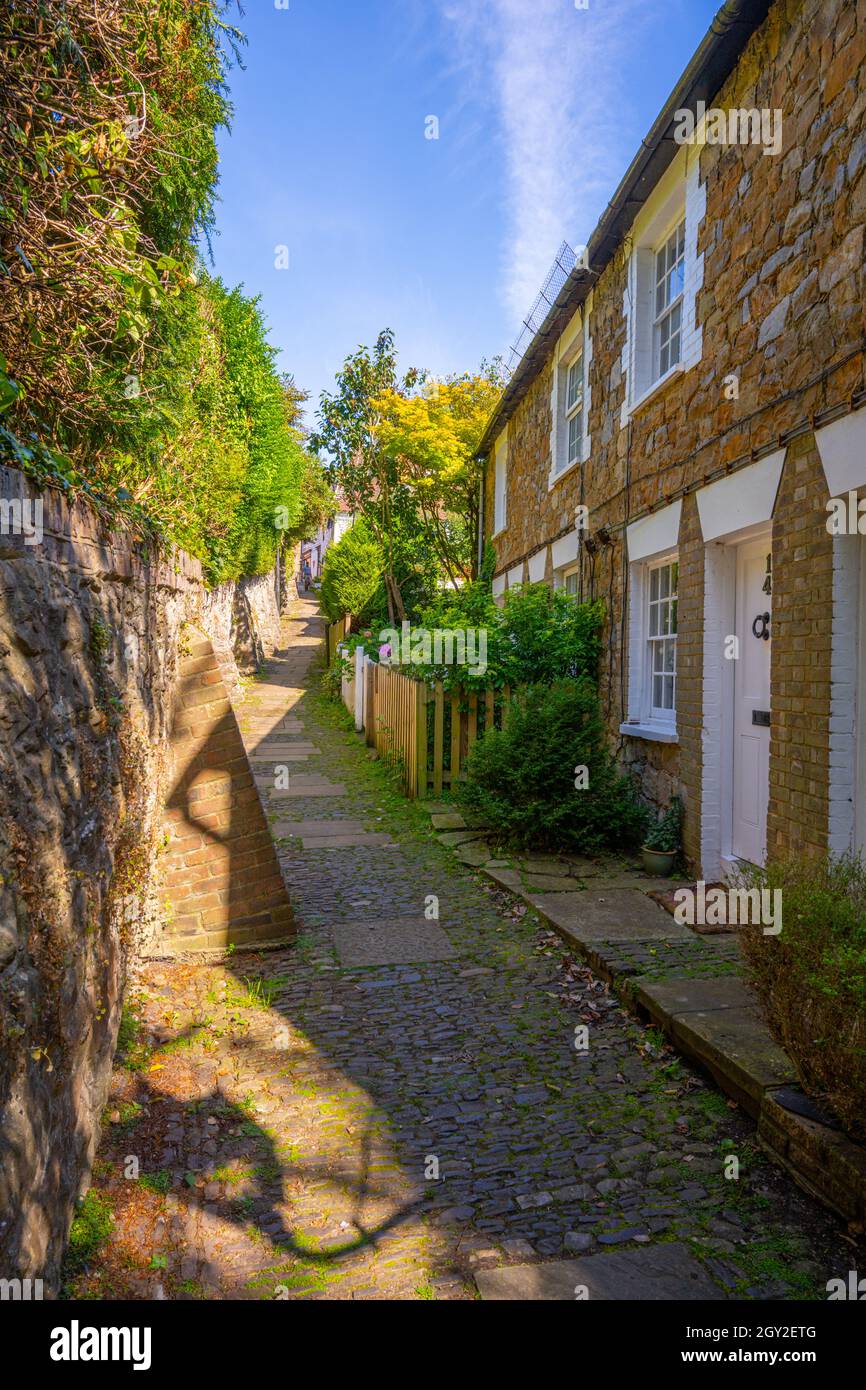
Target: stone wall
91, 627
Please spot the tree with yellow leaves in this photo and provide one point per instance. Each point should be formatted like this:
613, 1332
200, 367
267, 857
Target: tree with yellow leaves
432, 434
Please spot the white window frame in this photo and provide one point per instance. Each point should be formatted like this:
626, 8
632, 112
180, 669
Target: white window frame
572, 574
500, 486
573, 352
574, 408
656, 642
676, 206
669, 306
646, 720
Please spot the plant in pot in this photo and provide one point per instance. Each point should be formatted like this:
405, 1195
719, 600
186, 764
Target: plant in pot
662, 844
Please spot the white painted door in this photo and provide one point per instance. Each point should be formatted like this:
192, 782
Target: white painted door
752, 703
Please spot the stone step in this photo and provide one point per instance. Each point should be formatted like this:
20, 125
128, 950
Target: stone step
654, 1274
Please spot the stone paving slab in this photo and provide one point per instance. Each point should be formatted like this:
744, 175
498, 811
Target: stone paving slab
390, 941
316, 789
476, 853
602, 914
448, 820
663, 1272
264, 749
347, 841
664, 999
304, 829
453, 838
281, 757
736, 1046
550, 866
548, 883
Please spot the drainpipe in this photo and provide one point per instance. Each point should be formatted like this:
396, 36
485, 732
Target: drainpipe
481, 514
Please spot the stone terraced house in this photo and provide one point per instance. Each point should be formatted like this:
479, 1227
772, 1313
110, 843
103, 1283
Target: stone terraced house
689, 406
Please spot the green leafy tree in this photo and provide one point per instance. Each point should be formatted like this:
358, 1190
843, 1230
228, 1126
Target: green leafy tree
432, 434
369, 478
351, 572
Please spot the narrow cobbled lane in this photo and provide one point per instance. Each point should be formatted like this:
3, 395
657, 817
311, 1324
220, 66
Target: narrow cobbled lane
396, 1102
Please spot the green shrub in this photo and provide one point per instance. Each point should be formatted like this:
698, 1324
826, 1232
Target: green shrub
332, 678
538, 635
666, 834
351, 572
91, 1227
522, 778
811, 978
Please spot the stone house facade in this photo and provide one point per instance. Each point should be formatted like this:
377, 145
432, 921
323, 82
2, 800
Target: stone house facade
673, 437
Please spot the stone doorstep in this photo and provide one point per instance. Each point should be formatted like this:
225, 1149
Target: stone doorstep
822, 1160
654, 1274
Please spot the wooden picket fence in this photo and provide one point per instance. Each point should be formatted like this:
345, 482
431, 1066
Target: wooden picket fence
336, 632
428, 731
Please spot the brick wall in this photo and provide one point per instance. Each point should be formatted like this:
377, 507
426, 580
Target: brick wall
222, 875
798, 815
690, 673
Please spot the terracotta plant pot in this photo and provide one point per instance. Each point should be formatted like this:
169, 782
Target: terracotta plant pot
659, 863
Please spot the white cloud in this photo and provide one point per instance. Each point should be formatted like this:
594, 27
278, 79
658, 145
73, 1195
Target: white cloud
555, 76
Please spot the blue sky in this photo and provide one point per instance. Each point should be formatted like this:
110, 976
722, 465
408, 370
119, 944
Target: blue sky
540, 107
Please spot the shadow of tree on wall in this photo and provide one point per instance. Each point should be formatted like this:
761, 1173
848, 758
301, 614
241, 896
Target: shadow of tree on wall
222, 874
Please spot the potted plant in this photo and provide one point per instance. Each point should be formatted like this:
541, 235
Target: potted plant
662, 844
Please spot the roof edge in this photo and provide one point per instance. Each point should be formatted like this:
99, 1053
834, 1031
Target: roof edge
710, 66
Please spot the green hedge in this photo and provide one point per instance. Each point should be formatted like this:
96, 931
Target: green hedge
546, 780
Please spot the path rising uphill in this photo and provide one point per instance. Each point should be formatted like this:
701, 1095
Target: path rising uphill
395, 1103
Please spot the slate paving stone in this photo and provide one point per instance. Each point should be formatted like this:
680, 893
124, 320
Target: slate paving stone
608, 914
390, 941
665, 1272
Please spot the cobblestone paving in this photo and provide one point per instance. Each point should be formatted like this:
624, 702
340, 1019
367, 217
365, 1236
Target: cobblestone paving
308, 1130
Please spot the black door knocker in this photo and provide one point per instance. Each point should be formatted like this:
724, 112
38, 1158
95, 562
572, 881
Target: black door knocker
761, 627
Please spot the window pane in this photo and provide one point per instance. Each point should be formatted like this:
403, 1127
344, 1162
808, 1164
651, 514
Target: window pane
654, 585
672, 627
574, 434
664, 574
658, 692
670, 656
669, 693
574, 386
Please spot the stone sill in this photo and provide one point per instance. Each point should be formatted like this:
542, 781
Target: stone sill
653, 733
652, 391
554, 479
